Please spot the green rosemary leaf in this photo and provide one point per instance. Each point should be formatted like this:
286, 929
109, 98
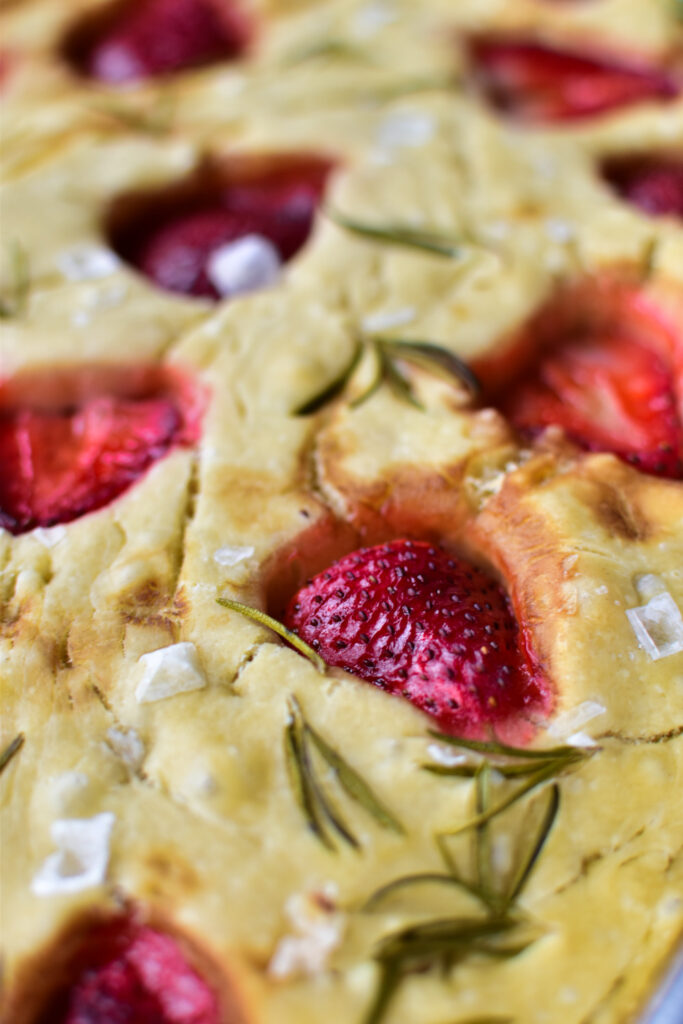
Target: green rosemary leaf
526, 866
544, 773
354, 785
320, 799
482, 837
340, 48
434, 878
503, 750
433, 242
460, 771
399, 384
300, 775
14, 303
442, 936
334, 388
10, 750
277, 627
468, 771
389, 981
409, 86
434, 358
377, 379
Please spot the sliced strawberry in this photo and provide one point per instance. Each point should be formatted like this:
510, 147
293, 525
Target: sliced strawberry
600, 363
415, 621
139, 978
653, 183
157, 37
172, 245
77, 452
535, 82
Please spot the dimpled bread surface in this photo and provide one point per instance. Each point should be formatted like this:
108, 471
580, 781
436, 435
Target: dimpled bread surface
208, 840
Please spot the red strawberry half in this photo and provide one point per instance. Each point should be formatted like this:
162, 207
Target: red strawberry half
172, 242
602, 364
538, 83
147, 38
417, 622
127, 973
652, 183
71, 442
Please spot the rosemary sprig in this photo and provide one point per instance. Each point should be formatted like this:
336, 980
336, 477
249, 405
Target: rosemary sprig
10, 750
433, 242
446, 942
386, 353
320, 812
277, 627
13, 303
536, 767
157, 120
333, 47
335, 387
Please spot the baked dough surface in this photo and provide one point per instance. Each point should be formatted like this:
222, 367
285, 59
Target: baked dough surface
207, 836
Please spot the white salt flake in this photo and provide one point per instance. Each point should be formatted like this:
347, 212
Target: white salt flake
318, 930
559, 231
87, 262
81, 859
409, 128
658, 626
386, 319
580, 739
573, 719
372, 18
229, 555
446, 756
127, 746
242, 266
649, 585
168, 671
49, 537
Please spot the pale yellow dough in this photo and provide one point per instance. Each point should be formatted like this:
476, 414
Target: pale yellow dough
206, 830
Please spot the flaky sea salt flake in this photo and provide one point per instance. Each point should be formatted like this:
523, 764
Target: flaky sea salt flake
87, 262
658, 626
81, 859
244, 265
169, 671
231, 555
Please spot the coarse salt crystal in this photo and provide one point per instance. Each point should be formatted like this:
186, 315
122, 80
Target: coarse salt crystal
658, 626
242, 266
81, 859
49, 536
408, 128
87, 262
229, 556
373, 17
169, 671
573, 719
445, 756
559, 231
318, 929
385, 320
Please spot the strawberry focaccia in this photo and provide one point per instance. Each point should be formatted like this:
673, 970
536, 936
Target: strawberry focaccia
341, 549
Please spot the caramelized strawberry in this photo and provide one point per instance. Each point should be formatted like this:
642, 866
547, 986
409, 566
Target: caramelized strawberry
601, 364
131, 974
73, 448
174, 245
538, 83
415, 621
157, 37
652, 183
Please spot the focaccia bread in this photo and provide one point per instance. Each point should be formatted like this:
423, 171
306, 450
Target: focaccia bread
341, 511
